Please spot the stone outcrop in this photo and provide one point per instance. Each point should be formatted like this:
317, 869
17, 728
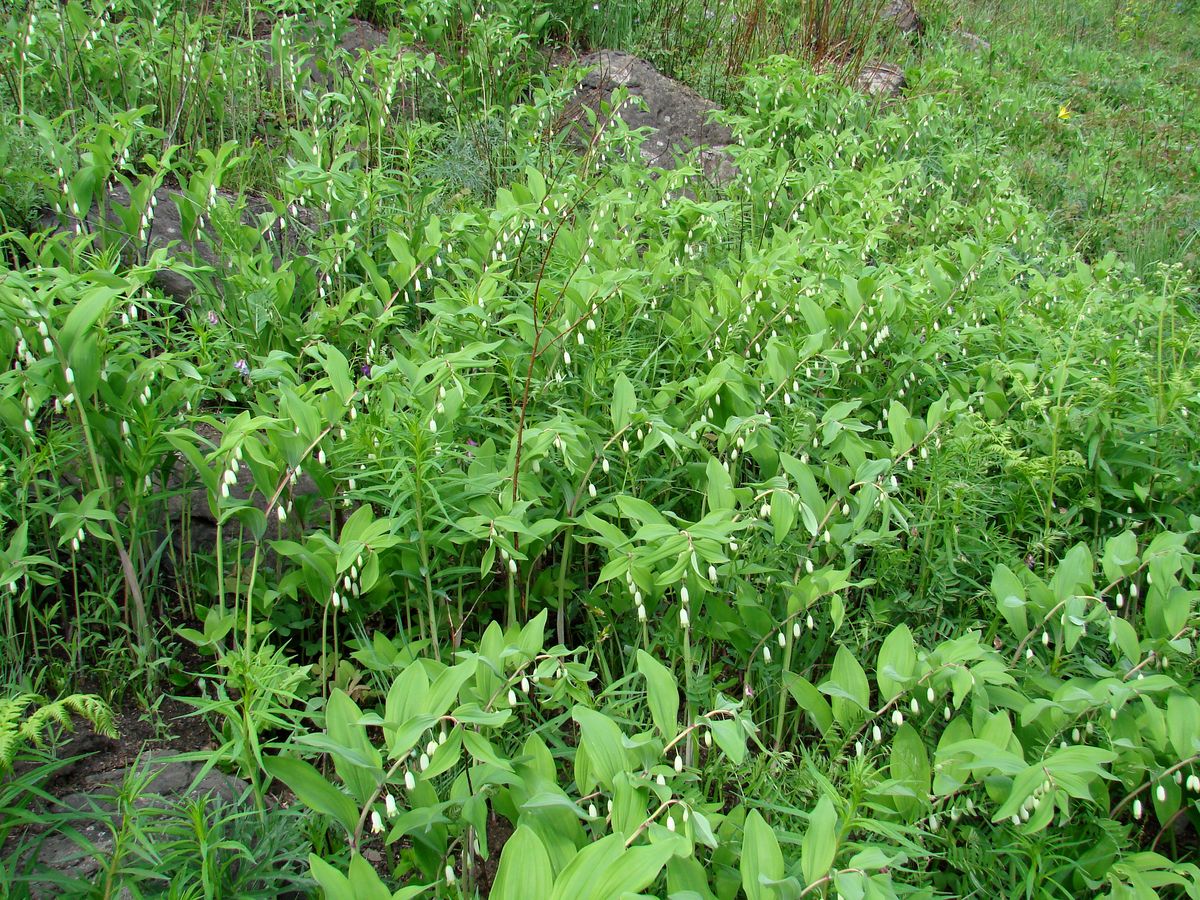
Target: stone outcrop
881, 79
902, 15
165, 779
679, 119
164, 229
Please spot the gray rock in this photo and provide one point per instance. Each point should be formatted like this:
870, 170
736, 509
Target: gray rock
680, 118
972, 41
903, 15
190, 506
163, 778
881, 79
165, 230
304, 39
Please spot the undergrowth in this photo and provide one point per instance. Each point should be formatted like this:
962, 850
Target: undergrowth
551, 526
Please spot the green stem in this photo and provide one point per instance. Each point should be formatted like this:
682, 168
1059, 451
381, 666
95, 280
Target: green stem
783, 692
568, 545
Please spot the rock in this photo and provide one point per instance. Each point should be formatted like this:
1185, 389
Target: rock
166, 230
189, 513
303, 37
161, 777
903, 15
881, 79
678, 116
972, 41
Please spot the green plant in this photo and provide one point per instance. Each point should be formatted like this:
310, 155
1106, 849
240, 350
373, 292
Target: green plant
20, 727
448, 384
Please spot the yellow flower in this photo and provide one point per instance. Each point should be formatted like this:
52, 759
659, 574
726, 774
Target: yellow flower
1064, 113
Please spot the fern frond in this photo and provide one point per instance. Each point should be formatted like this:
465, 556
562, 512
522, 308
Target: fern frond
17, 729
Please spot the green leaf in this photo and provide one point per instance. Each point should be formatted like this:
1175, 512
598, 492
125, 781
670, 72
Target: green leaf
820, 841
897, 662
1183, 724
809, 699
342, 717
576, 881
481, 748
524, 869
897, 420
848, 686
731, 738
1010, 599
631, 872
1120, 556
662, 694
624, 401
910, 767
719, 486
311, 788
603, 742
761, 858
783, 515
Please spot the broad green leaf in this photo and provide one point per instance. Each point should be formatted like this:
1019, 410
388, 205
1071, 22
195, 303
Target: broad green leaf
604, 744
761, 858
809, 699
631, 872
575, 882
783, 515
662, 694
1120, 556
342, 722
524, 869
311, 788
847, 685
1010, 599
910, 767
719, 486
897, 662
629, 804
624, 401
1183, 724
481, 748
731, 738
820, 841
